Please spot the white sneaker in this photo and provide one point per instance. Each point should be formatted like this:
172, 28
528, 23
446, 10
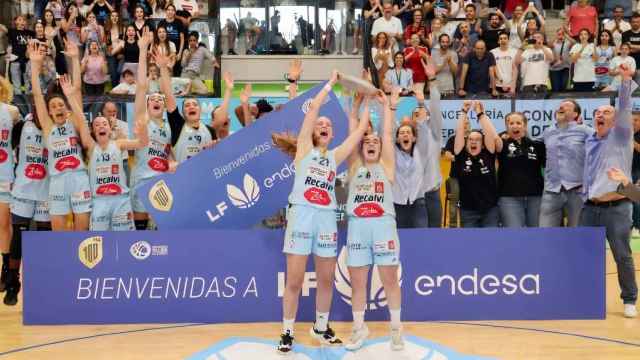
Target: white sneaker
635, 233
358, 336
397, 342
327, 337
630, 311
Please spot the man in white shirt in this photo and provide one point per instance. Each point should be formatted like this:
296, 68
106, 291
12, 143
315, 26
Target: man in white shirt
617, 25
445, 61
388, 24
506, 69
535, 63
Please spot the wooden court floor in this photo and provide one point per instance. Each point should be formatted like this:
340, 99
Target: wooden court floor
613, 338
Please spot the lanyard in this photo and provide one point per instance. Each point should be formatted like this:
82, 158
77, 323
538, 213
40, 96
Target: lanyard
398, 76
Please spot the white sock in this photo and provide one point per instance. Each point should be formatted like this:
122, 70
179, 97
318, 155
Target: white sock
358, 319
395, 318
322, 319
287, 325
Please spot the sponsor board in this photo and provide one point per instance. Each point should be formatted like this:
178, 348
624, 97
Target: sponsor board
180, 276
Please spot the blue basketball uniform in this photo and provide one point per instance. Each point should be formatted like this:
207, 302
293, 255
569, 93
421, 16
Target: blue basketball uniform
69, 189
311, 218
111, 202
372, 237
150, 160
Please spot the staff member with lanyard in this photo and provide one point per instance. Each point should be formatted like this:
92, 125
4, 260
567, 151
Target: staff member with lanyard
612, 146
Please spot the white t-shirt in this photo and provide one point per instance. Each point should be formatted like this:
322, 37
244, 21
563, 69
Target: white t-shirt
616, 62
610, 24
445, 77
534, 67
584, 69
124, 88
504, 65
392, 26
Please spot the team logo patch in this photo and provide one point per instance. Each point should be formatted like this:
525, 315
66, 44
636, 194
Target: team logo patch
160, 196
317, 196
90, 251
109, 189
5, 134
73, 141
35, 171
140, 250
158, 164
3, 156
369, 210
379, 186
67, 162
115, 169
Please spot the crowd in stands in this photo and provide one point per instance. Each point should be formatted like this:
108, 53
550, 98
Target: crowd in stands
106, 32
500, 48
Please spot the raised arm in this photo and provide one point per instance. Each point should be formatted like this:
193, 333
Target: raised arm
388, 147
305, 137
71, 50
351, 142
245, 96
295, 70
623, 123
140, 139
435, 114
141, 84
489, 130
354, 157
36, 58
162, 60
77, 114
223, 109
459, 141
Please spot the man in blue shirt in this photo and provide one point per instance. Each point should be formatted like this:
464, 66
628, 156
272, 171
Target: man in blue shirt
612, 146
564, 167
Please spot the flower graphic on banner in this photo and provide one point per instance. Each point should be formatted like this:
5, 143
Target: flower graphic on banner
376, 298
247, 198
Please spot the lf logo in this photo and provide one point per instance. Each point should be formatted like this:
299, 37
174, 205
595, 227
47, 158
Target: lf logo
242, 199
308, 283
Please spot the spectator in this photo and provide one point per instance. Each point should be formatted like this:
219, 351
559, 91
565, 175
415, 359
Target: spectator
57, 8
51, 29
186, 10
614, 66
417, 27
475, 163
478, 72
471, 19
582, 16
71, 24
617, 25
114, 31
446, 62
47, 70
83, 9
415, 57
153, 76
583, 56
611, 146
18, 39
506, 68
632, 36
403, 10
119, 130
605, 51
611, 6
453, 188
559, 71
92, 31
192, 62
635, 171
398, 76
4, 43
162, 45
101, 9
457, 8
130, 51
511, 6
94, 69
140, 22
158, 9
434, 34
465, 43
563, 172
128, 84
448, 27
231, 31
534, 65
513, 26
390, 25
252, 30
520, 181
381, 54
175, 33
489, 32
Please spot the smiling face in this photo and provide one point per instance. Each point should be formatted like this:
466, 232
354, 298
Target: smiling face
405, 138
417, 18
464, 28
625, 50
101, 129
155, 105
381, 40
604, 37
415, 40
517, 12
162, 34
445, 41
48, 17
371, 147
567, 112
584, 36
39, 29
398, 60
322, 132
139, 13
58, 110
93, 48
114, 17
605, 118
516, 126
110, 111
191, 110
474, 143
131, 32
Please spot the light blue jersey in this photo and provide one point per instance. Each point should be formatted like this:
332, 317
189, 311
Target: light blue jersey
191, 142
6, 154
32, 180
65, 153
315, 181
106, 175
153, 159
370, 193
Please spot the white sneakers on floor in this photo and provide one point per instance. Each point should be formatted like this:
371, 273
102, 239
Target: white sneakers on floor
397, 342
630, 311
358, 336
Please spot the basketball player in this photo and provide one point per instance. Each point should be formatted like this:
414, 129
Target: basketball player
69, 191
311, 216
152, 159
372, 236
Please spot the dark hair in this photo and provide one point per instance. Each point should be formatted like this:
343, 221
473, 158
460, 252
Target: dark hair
194, 34
170, 5
396, 55
470, 5
127, 71
443, 35
588, 32
515, 113
503, 33
610, 42
635, 15
576, 107
108, 25
184, 101
492, 15
53, 20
